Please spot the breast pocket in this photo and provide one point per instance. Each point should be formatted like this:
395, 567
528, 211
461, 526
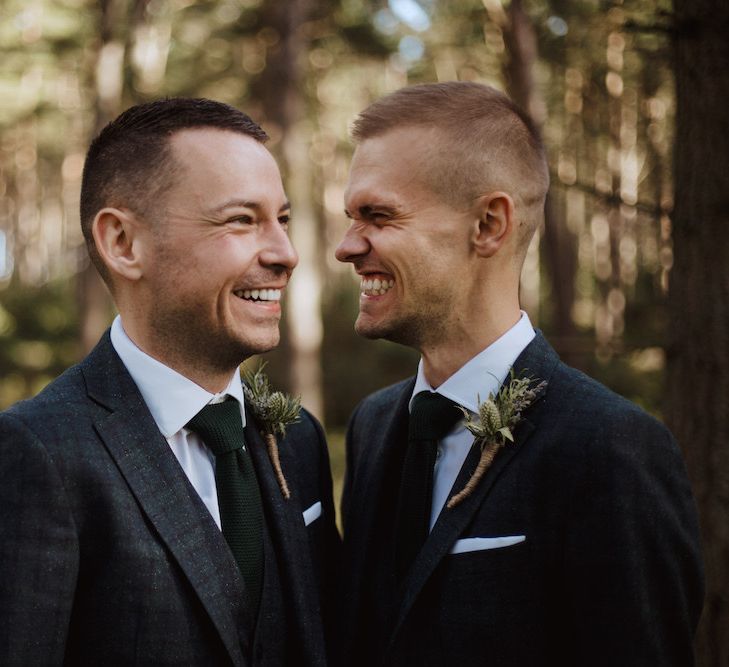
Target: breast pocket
488, 579
312, 513
469, 544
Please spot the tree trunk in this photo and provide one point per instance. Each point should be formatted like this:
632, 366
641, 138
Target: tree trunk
281, 90
560, 250
698, 359
94, 300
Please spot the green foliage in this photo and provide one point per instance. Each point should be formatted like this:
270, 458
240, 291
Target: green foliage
352, 53
501, 412
273, 409
38, 338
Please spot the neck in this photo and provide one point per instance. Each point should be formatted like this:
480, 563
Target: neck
214, 378
446, 356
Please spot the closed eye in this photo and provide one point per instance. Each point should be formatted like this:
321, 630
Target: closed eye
241, 219
377, 215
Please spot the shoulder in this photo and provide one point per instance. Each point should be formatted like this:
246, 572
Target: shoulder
581, 397
34, 432
61, 397
383, 402
573, 397
600, 427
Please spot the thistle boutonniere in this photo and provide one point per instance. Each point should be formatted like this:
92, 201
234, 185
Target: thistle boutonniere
274, 411
493, 427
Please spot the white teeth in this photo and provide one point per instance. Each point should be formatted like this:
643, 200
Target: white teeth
260, 294
376, 287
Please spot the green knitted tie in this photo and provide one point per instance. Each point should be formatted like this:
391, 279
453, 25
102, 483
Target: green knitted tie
239, 498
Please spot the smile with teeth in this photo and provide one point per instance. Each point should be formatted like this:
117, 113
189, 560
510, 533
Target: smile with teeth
259, 294
376, 287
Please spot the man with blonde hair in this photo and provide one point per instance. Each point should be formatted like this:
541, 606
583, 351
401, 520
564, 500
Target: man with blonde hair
500, 507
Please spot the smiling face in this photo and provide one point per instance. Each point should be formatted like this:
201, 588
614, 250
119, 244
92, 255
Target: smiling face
217, 258
411, 249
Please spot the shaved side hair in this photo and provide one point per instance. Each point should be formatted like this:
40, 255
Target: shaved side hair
130, 163
482, 142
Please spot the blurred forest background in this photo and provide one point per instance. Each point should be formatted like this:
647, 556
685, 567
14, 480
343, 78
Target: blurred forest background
629, 278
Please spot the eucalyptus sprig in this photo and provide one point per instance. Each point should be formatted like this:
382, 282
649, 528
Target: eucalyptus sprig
274, 411
494, 425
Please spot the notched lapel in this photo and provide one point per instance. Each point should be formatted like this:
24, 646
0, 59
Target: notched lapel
164, 493
538, 360
452, 523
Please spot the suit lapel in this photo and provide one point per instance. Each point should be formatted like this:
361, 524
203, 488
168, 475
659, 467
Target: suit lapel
164, 493
284, 519
538, 360
452, 523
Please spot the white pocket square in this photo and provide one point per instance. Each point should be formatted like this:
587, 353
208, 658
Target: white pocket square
313, 513
481, 543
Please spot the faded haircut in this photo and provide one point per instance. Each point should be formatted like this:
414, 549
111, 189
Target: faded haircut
486, 144
130, 163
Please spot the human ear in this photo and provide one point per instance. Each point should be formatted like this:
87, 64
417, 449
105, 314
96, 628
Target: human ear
117, 239
494, 224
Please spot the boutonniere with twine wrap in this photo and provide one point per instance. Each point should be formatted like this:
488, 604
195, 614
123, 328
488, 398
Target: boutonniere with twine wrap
494, 425
274, 411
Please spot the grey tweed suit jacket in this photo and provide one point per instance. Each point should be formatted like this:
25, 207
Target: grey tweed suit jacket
600, 566
108, 555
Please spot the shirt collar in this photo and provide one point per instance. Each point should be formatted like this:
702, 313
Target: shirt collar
172, 398
484, 373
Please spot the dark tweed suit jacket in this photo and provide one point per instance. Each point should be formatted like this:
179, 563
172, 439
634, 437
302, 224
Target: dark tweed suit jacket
609, 572
109, 557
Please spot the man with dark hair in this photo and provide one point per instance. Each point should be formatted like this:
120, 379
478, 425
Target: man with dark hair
143, 520
500, 507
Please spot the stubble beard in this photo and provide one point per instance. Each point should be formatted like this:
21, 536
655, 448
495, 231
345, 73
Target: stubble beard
412, 330
207, 351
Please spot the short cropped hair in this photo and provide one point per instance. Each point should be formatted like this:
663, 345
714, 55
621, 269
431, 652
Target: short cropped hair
487, 144
130, 163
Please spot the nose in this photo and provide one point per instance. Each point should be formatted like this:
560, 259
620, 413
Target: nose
352, 246
278, 251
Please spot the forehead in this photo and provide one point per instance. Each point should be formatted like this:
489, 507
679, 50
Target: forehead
217, 163
395, 165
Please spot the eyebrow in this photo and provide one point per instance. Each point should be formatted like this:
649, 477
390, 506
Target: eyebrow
367, 210
247, 203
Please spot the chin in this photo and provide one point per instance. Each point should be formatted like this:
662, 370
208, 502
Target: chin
367, 329
375, 330
261, 344
401, 332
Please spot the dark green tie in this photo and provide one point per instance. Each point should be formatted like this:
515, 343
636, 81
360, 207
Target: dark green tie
431, 417
239, 498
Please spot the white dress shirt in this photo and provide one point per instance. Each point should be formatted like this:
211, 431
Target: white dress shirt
173, 401
480, 376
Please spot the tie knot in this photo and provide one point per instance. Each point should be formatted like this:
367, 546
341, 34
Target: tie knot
432, 416
220, 426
